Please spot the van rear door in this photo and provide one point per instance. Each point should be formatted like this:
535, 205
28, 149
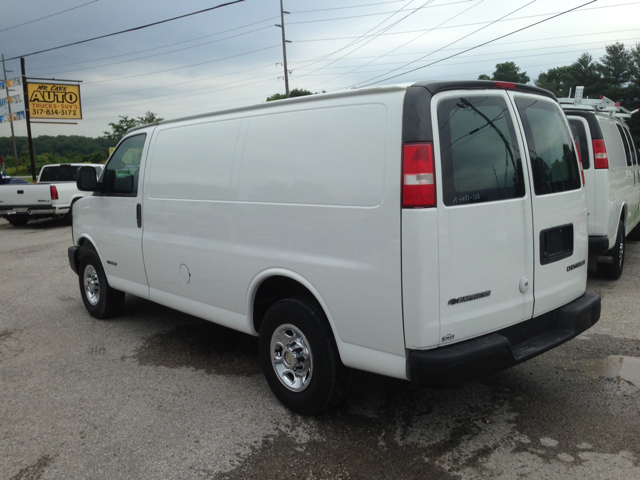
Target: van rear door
558, 200
485, 224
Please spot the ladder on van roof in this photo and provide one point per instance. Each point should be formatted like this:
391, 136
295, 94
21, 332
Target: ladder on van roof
601, 105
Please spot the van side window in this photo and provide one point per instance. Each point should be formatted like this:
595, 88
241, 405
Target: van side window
553, 158
580, 135
625, 142
634, 155
121, 174
479, 151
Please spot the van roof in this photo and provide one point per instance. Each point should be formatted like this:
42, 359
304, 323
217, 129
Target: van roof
432, 86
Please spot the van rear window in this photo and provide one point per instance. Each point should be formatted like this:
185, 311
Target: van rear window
580, 135
553, 157
479, 152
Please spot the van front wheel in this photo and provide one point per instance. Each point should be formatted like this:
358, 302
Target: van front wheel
299, 357
100, 300
613, 270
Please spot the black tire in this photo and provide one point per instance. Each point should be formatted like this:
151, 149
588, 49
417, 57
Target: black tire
613, 270
634, 234
297, 329
18, 220
100, 300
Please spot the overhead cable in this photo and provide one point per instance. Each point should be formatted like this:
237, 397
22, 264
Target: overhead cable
47, 16
128, 30
160, 47
464, 51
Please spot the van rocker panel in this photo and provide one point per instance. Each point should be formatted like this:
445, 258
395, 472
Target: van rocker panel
472, 359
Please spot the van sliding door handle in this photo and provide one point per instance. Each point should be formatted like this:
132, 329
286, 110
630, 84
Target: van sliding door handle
139, 215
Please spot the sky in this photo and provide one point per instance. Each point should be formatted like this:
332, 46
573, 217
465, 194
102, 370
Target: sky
232, 55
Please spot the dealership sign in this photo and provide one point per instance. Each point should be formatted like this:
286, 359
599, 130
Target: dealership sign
54, 101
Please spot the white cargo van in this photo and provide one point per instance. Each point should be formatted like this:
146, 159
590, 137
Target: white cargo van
612, 174
434, 232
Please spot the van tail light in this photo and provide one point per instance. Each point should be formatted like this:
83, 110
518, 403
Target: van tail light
418, 175
600, 158
54, 192
580, 159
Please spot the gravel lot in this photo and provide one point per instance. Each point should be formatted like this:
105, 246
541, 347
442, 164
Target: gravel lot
156, 394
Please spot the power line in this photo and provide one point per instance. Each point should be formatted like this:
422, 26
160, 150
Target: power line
370, 4
181, 95
502, 54
48, 16
467, 50
350, 6
158, 48
373, 14
172, 85
404, 32
160, 54
182, 67
446, 21
359, 39
128, 30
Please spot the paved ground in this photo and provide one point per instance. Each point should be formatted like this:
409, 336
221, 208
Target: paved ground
155, 394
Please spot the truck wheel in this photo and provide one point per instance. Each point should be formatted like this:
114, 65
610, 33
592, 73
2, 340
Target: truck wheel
100, 300
300, 358
613, 270
18, 221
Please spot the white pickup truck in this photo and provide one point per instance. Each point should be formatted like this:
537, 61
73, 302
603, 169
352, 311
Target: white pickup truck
52, 196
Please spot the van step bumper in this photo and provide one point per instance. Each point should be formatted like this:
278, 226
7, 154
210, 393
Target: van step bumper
475, 358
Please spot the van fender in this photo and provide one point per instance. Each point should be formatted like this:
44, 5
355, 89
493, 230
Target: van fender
282, 272
83, 240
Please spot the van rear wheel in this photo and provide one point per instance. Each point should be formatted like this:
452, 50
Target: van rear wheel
613, 270
100, 300
300, 358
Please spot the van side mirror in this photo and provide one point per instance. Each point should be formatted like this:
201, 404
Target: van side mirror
87, 181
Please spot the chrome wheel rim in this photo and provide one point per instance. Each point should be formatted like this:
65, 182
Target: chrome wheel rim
291, 357
91, 285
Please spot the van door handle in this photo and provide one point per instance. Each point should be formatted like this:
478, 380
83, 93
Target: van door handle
139, 215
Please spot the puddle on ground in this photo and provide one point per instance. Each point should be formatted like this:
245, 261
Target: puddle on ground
204, 346
623, 369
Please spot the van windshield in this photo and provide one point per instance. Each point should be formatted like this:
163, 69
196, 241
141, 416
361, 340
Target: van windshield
553, 159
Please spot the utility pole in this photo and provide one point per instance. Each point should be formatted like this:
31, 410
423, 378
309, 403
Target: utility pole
28, 119
284, 50
13, 136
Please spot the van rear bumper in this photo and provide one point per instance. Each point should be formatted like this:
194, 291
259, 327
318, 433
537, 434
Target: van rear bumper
472, 359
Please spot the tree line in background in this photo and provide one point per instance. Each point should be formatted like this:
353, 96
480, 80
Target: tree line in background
68, 148
616, 75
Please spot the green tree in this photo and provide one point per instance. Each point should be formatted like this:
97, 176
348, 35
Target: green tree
616, 66
507, 72
296, 92
557, 80
125, 123
586, 73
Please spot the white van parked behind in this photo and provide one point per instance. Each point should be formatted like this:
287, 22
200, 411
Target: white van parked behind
435, 232
612, 173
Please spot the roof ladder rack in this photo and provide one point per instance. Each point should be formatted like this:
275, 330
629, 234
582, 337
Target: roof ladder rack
603, 104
